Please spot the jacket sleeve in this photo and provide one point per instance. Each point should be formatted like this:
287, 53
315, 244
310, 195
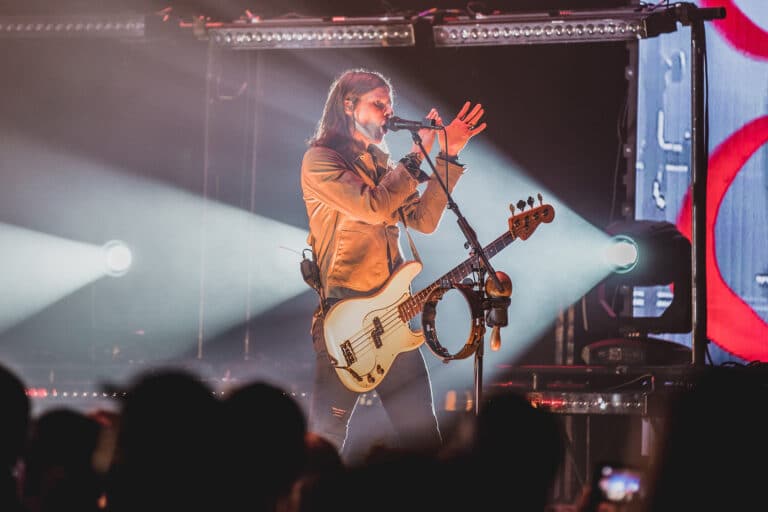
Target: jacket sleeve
424, 213
328, 178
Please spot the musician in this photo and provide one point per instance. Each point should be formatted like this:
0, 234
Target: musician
355, 197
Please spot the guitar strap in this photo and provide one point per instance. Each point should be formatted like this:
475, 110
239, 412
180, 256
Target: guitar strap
414, 251
368, 181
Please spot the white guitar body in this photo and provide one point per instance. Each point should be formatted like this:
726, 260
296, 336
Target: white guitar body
364, 335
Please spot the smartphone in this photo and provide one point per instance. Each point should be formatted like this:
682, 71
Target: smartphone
619, 483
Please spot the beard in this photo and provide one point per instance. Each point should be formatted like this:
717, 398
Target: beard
371, 131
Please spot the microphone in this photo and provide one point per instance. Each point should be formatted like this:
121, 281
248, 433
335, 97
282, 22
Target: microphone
395, 123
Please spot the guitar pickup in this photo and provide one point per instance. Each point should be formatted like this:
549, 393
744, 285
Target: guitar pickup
377, 331
348, 353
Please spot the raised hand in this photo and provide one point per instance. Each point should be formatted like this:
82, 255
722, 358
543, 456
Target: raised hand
428, 136
464, 126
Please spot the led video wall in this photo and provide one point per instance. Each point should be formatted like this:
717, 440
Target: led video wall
736, 239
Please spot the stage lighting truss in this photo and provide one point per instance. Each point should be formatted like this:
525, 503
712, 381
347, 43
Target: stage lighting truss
313, 33
623, 24
107, 26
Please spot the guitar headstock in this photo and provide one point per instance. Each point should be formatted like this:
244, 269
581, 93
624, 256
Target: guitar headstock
524, 223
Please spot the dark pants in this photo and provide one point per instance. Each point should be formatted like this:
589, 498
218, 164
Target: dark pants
405, 393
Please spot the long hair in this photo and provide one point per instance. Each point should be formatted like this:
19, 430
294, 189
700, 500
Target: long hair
335, 126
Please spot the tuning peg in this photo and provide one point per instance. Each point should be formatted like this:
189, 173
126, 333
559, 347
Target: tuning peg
541, 199
512, 208
530, 201
521, 205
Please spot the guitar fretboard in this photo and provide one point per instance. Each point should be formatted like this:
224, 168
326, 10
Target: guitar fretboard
411, 307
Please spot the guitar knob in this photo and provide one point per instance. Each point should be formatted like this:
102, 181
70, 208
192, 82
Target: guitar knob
380, 369
370, 378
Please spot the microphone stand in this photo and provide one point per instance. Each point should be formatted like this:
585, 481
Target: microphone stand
492, 305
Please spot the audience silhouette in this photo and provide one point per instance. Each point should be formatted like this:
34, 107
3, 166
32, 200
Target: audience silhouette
712, 446
176, 444
167, 455
13, 436
322, 459
59, 472
517, 453
265, 449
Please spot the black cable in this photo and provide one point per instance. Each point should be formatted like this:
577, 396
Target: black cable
445, 138
706, 97
620, 122
651, 6
705, 145
623, 385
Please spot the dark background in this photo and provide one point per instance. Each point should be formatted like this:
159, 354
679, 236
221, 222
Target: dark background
140, 107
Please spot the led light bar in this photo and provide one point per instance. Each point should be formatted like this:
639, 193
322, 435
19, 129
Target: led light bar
621, 24
107, 26
313, 33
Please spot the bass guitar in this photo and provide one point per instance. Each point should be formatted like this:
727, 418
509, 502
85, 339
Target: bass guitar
365, 334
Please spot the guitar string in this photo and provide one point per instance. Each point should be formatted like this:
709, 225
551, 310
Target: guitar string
370, 345
391, 323
362, 336
366, 347
363, 344
362, 339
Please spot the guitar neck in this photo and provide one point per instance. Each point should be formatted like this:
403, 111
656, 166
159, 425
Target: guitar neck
413, 306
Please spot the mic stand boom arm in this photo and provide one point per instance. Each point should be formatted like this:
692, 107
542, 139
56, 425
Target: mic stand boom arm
472, 242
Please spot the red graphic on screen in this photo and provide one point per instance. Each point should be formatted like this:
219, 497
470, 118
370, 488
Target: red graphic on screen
731, 322
739, 30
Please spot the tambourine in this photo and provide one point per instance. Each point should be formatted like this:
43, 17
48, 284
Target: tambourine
429, 312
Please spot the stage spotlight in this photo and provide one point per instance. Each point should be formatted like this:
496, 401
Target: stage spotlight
643, 253
662, 255
117, 258
621, 254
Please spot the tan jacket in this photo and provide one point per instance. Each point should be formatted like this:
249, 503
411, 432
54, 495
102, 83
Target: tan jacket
352, 204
